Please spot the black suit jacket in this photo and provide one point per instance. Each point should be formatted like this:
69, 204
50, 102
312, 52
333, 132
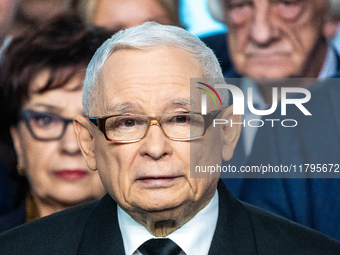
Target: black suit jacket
93, 229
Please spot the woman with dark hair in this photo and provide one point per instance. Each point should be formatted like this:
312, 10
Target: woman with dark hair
41, 85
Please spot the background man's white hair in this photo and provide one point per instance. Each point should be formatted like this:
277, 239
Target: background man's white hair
216, 9
147, 36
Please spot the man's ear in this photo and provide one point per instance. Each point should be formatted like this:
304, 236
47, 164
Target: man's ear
83, 131
17, 143
231, 133
330, 28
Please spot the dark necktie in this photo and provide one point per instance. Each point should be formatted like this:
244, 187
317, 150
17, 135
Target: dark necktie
159, 246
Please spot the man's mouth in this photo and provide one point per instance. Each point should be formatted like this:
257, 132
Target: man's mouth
158, 181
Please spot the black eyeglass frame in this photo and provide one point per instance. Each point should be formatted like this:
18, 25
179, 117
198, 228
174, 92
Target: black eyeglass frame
26, 114
208, 119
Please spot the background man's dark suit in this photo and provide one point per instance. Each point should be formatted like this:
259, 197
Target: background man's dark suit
316, 140
93, 229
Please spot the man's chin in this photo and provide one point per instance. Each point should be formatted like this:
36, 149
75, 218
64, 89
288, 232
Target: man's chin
155, 206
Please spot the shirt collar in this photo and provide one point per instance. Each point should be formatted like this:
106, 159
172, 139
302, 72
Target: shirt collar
194, 237
330, 66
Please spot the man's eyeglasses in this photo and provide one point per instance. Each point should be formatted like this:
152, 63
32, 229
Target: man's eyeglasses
45, 126
180, 126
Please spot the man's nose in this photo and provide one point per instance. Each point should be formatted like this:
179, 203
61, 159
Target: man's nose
155, 144
68, 143
263, 32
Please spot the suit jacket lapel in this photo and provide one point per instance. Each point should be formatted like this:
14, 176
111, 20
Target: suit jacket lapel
234, 233
102, 234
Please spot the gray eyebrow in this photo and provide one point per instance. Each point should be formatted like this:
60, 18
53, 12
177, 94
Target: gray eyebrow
121, 107
182, 101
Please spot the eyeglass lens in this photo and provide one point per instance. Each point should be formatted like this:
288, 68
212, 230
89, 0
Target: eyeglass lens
177, 126
44, 125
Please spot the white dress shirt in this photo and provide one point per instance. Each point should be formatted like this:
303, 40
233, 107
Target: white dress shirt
194, 237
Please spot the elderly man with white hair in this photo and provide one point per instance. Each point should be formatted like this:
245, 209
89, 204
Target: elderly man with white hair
286, 39
276, 39
143, 132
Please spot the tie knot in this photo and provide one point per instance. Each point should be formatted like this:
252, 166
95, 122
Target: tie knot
159, 246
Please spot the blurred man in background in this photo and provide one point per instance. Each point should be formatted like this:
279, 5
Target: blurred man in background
33, 12
120, 14
279, 39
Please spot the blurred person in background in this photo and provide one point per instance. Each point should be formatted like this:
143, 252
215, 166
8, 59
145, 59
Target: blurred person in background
280, 39
31, 13
41, 81
276, 40
7, 12
120, 14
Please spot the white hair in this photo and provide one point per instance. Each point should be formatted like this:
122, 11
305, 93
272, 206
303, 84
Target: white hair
216, 9
147, 36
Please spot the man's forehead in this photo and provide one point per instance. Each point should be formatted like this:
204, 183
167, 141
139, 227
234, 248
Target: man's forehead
138, 107
167, 56
149, 77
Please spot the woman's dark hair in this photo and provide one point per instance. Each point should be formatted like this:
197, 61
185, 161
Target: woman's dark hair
64, 46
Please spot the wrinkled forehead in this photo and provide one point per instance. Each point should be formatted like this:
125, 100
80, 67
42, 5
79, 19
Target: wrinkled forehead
152, 80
